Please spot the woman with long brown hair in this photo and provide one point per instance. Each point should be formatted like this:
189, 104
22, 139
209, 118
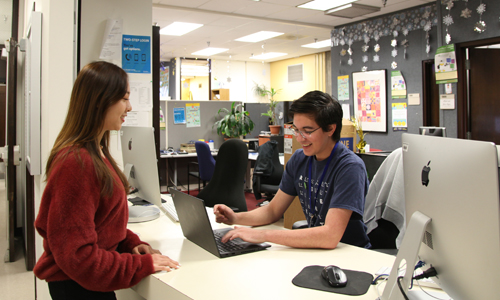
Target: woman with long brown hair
88, 250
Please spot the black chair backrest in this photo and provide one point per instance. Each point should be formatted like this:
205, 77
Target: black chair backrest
269, 163
227, 184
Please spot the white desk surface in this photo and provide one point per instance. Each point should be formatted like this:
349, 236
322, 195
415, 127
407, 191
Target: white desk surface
265, 274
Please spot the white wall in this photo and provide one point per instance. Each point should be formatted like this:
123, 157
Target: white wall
57, 65
243, 75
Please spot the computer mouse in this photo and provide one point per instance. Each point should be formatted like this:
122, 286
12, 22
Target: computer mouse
334, 276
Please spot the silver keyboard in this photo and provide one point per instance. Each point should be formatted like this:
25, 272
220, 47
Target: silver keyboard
170, 208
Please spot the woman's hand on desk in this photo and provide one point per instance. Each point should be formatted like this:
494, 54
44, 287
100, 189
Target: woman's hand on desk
224, 214
160, 262
247, 234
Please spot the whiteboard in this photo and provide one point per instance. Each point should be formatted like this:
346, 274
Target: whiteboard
32, 94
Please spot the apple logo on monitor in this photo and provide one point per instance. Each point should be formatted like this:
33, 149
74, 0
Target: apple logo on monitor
425, 174
130, 144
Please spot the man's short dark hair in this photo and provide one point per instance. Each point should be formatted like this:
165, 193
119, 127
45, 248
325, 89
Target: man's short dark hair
323, 108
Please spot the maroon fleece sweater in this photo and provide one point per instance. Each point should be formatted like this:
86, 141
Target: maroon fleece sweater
85, 236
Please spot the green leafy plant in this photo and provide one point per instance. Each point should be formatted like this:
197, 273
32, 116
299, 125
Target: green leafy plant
235, 123
262, 91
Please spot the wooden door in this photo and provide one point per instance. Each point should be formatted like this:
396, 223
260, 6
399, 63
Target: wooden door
484, 94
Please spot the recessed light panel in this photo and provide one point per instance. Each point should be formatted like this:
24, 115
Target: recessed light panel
320, 44
268, 55
209, 51
324, 4
179, 28
259, 36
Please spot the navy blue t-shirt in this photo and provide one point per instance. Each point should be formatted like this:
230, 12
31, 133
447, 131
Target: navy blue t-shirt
344, 185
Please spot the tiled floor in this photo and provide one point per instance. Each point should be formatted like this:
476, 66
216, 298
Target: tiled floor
15, 282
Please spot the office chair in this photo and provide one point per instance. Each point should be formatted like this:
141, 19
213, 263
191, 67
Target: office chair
384, 214
206, 164
227, 184
268, 171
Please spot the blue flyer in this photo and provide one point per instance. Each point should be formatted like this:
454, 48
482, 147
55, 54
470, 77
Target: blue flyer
136, 54
179, 115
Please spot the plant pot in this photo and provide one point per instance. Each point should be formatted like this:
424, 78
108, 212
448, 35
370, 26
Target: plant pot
275, 129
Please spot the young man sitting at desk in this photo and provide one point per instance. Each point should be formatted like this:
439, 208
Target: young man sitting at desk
329, 179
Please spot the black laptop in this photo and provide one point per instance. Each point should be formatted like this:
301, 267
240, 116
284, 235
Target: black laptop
196, 227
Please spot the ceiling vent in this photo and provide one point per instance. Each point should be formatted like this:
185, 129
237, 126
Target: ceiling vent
351, 10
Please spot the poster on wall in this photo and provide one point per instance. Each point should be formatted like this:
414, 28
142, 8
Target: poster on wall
179, 115
193, 115
399, 117
398, 85
136, 54
343, 87
164, 83
445, 65
370, 99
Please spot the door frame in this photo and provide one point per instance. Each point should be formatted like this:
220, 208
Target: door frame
463, 90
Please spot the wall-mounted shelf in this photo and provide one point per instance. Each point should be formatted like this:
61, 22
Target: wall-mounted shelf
220, 94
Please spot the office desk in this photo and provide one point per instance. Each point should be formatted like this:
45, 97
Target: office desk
261, 275
178, 156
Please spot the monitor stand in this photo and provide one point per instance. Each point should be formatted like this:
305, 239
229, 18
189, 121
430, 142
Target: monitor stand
407, 255
138, 214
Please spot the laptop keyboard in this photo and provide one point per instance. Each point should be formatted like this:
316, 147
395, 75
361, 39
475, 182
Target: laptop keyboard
229, 246
170, 208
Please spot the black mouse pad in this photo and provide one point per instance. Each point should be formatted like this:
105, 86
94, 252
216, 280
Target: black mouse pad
358, 283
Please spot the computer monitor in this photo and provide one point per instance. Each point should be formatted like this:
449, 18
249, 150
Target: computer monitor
452, 197
432, 130
140, 163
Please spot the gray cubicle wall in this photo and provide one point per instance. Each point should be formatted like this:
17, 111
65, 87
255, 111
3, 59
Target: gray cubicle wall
261, 122
180, 133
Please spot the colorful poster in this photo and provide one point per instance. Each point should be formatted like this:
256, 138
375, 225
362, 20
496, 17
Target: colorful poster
446, 64
343, 87
370, 100
399, 117
179, 115
164, 82
398, 85
136, 54
193, 115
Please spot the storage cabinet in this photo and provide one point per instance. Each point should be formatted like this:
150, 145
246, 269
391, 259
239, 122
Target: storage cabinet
220, 94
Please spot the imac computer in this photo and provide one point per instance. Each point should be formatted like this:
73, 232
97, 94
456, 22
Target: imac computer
452, 212
432, 130
140, 168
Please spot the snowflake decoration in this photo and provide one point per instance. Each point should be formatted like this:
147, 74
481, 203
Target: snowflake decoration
365, 58
448, 20
448, 38
343, 52
364, 68
394, 65
349, 51
350, 62
395, 33
480, 27
394, 43
376, 48
426, 15
349, 42
428, 48
405, 31
342, 42
395, 22
466, 13
481, 8
394, 52
376, 58
367, 39
428, 26
365, 48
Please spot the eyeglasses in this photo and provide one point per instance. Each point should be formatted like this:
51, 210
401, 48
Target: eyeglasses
304, 134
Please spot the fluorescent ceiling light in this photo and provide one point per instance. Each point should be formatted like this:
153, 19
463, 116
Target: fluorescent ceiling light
209, 51
352, 10
179, 28
324, 4
259, 36
268, 55
320, 44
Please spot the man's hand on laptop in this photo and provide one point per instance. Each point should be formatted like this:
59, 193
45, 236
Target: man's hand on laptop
224, 214
245, 233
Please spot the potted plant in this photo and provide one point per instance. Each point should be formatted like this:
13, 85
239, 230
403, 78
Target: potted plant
234, 123
262, 91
